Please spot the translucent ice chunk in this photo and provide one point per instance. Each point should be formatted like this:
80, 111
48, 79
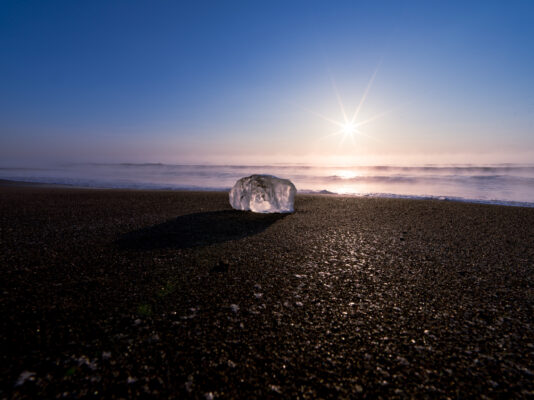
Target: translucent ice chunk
263, 194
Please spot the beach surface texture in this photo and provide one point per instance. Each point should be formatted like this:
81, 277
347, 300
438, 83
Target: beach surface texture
123, 293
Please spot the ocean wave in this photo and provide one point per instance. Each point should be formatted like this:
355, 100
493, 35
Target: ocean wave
451, 169
426, 178
504, 182
372, 178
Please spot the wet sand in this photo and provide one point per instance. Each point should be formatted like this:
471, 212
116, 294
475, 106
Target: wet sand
173, 294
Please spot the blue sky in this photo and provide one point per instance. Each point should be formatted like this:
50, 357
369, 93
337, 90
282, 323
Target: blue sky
162, 81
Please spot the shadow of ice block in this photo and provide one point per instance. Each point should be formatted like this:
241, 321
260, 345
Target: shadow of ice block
198, 230
263, 194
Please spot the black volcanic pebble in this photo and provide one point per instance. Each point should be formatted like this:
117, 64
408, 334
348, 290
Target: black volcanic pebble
221, 266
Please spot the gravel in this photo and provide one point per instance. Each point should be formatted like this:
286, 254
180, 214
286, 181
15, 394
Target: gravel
114, 293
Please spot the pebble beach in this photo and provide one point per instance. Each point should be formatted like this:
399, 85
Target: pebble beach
130, 293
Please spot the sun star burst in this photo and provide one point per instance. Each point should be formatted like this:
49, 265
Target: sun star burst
349, 127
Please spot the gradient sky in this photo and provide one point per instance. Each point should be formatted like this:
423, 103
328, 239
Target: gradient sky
182, 82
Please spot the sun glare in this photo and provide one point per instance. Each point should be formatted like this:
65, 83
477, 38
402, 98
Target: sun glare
346, 174
349, 128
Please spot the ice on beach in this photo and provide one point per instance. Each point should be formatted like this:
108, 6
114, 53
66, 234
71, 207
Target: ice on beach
263, 194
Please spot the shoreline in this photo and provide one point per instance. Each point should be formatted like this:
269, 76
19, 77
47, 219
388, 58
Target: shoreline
174, 294
8, 182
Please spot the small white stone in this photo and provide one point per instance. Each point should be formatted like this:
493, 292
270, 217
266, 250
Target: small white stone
24, 376
234, 307
275, 388
189, 384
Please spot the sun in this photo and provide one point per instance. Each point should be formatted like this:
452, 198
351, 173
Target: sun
349, 128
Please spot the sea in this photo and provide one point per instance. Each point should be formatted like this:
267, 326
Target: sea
506, 184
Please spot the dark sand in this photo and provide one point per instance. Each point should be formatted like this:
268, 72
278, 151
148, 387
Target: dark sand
108, 292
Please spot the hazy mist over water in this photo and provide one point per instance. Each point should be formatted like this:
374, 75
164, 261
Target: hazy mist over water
497, 183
